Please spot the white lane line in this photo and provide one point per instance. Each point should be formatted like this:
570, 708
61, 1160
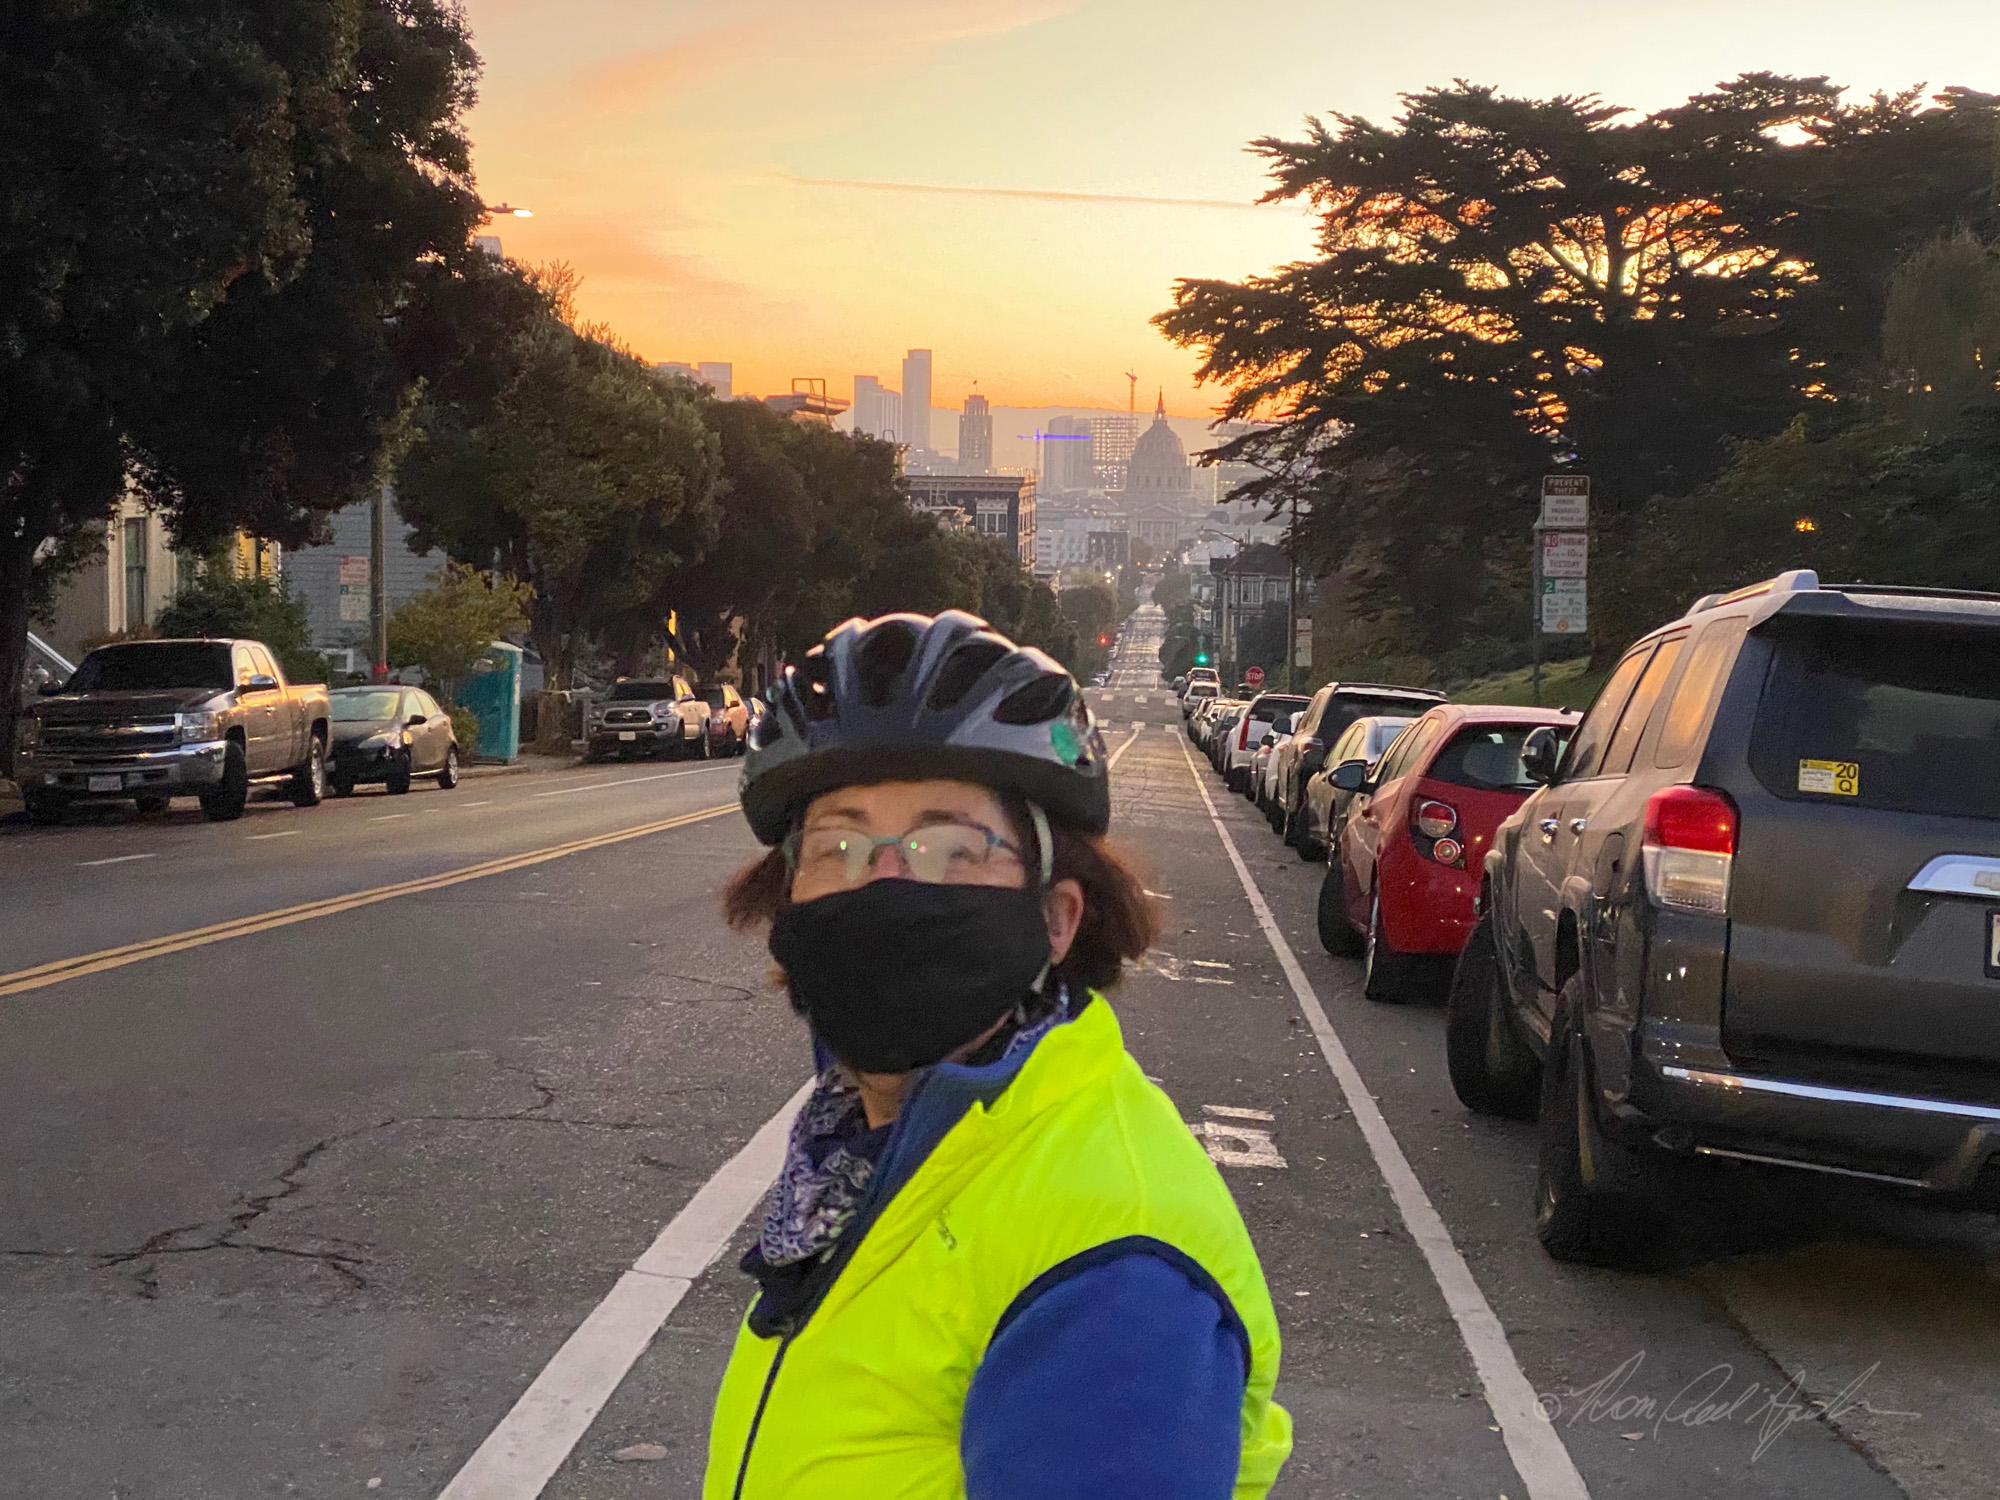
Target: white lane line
1112, 764
1538, 1453
289, 833
120, 859
388, 817
522, 1454
487, 803
605, 786
1138, 724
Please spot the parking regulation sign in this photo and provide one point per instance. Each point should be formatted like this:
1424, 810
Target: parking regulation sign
1565, 606
1565, 554
1565, 500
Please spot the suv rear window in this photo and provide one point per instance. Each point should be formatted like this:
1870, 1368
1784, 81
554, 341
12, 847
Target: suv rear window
1345, 708
1269, 710
1905, 719
1486, 757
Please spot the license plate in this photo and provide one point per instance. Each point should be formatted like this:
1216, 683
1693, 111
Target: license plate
1993, 944
628, 734
107, 783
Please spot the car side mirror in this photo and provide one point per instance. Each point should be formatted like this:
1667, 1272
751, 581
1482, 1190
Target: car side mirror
416, 719
262, 682
1540, 752
1351, 776
1313, 757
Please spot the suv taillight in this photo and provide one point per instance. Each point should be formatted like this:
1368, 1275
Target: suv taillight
1688, 846
1243, 734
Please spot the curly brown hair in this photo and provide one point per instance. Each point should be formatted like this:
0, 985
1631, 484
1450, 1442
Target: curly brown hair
1118, 923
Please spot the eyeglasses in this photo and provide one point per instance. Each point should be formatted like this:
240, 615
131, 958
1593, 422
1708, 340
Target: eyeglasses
934, 853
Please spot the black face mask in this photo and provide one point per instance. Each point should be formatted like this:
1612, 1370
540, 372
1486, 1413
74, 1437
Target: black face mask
897, 974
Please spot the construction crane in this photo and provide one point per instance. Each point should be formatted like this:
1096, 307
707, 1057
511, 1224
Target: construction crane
1132, 400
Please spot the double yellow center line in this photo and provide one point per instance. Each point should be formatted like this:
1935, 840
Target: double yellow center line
42, 976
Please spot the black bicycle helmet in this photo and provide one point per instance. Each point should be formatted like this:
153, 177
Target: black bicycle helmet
908, 697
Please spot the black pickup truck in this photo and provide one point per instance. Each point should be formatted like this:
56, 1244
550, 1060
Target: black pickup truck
154, 720
1753, 914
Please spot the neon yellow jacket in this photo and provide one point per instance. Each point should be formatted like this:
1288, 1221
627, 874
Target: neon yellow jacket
1078, 1151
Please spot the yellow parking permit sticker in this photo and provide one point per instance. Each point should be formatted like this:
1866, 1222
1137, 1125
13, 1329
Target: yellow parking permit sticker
1841, 778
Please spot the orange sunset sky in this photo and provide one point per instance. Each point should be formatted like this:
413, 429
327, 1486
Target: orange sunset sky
809, 189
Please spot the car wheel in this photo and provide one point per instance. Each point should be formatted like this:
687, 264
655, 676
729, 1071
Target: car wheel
1592, 1200
399, 775
343, 786
152, 807
309, 782
707, 751
1310, 849
45, 809
1336, 933
225, 800
1491, 1071
448, 772
1387, 977
1292, 830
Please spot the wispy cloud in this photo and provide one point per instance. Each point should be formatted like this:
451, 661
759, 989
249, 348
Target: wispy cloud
1043, 195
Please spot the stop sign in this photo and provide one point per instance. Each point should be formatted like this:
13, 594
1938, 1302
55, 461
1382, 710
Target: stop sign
1255, 677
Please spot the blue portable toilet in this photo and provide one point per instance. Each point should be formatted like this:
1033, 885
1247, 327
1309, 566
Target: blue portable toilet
494, 693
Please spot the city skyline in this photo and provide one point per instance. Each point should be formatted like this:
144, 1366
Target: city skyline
812, 192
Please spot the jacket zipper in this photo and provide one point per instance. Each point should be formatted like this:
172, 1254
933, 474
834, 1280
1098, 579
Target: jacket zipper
750, 1439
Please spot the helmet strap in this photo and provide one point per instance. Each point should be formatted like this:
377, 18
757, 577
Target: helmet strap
1043, 839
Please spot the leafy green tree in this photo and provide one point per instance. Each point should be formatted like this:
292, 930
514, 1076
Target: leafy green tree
448, 627
589, 476
1941, 331
1504, 287
225, 218
219, 602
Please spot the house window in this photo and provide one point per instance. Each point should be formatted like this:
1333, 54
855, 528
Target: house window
135, 572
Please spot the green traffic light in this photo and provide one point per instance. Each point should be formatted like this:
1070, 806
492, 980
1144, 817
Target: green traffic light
1201, 659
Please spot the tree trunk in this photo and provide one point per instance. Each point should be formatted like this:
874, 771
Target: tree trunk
17, 564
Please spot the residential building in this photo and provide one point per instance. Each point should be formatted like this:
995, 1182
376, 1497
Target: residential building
999, 505
122, 589
332, 580
917, 400
975, 436
1246, 583
1113, 436
1069, 456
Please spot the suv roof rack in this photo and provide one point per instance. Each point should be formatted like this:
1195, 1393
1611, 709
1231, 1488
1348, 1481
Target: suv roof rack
1793, 582
1920, 591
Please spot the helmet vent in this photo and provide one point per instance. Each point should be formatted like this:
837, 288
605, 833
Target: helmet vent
814, 695
882, 659
962, 669
1037, 703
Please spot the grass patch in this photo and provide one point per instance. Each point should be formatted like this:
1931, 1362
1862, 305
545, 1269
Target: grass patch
1565, 684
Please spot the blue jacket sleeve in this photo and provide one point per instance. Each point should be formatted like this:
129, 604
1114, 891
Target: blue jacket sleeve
1120, 1379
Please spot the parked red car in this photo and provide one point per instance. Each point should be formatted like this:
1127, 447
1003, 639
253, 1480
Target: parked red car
1401, 879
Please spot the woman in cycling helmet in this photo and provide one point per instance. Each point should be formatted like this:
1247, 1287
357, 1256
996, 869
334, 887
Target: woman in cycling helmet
996, 1263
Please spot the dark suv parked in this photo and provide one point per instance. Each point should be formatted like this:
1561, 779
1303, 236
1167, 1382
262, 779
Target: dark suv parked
1332, 709
1754, 912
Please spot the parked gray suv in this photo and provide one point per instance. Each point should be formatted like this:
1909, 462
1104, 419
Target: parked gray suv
1753, 914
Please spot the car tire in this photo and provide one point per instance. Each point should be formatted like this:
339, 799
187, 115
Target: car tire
45, 809
308, 786
1235, 780
1336, 933
343, 786
1593, 1206
707, 751
224, 802
1492, 1072
1387, 977
448, 772
152, 807
1310, 849
398, 780
1292, 830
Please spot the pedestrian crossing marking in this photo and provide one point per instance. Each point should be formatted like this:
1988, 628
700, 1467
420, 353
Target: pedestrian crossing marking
1235, 1144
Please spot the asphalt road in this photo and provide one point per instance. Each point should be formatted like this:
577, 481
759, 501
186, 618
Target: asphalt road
307, 1209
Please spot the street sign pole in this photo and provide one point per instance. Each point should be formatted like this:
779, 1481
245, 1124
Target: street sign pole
1560, 540
1535, 610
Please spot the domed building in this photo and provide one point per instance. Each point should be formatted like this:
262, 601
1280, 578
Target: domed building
1158, 500
1159, 468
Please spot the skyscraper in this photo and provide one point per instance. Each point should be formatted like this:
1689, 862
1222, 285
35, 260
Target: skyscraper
1113, 435
975, 437
1069, 462
877, 409
917, 399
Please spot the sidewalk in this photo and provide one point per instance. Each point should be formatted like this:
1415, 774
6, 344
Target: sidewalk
529, 763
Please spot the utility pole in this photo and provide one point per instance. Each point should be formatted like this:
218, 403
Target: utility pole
378, 585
